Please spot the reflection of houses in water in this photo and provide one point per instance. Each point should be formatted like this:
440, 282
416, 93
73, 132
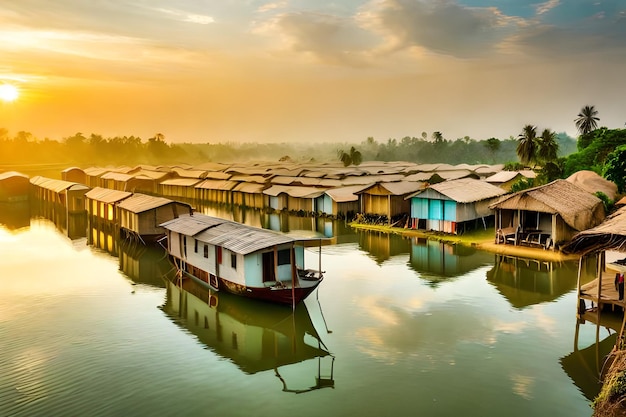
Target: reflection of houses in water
145, 264
72, 225
586, 367
254, 336
524, 282
382, 245
15, 215
435, 261
285, 222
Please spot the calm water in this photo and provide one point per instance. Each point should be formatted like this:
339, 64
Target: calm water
399, 327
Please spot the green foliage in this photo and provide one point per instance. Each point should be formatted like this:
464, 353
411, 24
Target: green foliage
602, 142
522, 184
528, 145
551, 171
608, 203
353, 157
587, 120
514, 166
615, 168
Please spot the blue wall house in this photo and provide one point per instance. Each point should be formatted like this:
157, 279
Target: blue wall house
453, 206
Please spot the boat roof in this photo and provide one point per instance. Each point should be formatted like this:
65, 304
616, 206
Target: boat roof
107, 195
235, 237
138, 203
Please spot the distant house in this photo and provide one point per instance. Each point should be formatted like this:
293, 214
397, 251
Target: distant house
178, 187
593, 183
292, 198
74, 174
388, 198
102, 202
453, 206
14, 186
341, 201
505, 179
68, 194
141, 215
216, 191
546, 215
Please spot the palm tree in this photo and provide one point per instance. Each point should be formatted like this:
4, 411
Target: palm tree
587, 120
548, 146
349, 158
527, 146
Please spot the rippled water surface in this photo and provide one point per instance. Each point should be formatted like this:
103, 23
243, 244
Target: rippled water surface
399, 327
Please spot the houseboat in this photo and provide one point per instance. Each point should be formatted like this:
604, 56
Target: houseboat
240, 259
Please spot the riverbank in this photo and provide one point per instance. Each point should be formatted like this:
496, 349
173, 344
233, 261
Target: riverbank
483, 239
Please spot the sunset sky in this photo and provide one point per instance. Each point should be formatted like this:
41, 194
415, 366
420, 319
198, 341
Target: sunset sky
310, 70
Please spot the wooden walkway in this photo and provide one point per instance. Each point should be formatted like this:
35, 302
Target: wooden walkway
608, 293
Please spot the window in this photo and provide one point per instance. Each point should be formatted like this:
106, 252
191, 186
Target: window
206, 251
233, 260
284, 257
195, 246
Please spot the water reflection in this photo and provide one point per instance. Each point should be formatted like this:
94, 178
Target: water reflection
439, 261
15, 215
525, 282
255, 336
585, 366
382, 246
72, 224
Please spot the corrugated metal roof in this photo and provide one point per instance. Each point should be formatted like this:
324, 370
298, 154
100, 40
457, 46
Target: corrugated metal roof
106, 195
465, 190
503, 176
191, 225
95, 171
189, 173
242, 239
217, 185
294, 191
181, 182
345, 194
12, 174
56, 185
138, 203
217, 175
235, 237
116, 176
249, 188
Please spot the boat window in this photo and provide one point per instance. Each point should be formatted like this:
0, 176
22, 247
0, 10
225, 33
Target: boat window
233, 260
284, 257
195, 246
206, 251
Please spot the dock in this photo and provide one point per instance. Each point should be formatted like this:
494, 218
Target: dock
607, 294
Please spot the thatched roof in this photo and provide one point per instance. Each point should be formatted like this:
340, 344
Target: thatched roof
609, 235
592, 182
578, 208
465, 190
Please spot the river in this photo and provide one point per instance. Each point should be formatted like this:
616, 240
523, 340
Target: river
399, 327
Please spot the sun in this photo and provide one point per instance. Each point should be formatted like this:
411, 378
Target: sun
8, 92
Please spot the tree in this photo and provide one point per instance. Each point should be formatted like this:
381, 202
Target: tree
615, 168
587, 120
527, 144
493, 145
349, 158
548, 146
437, 137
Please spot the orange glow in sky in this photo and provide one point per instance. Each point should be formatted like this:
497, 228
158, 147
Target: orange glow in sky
310, 70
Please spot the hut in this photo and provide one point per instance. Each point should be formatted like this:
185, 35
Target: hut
216, 191
141, 215
102, 202
178, 187
74, 174
293, 198
14, 186
341, 201
388, 199
93, 175
505, 179
71, 195
453, 206
593, 183
249, 194
546, 216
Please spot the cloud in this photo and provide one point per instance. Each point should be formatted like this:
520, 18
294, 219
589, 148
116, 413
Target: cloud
443, 27
327, 38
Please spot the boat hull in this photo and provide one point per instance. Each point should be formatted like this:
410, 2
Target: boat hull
279, 294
